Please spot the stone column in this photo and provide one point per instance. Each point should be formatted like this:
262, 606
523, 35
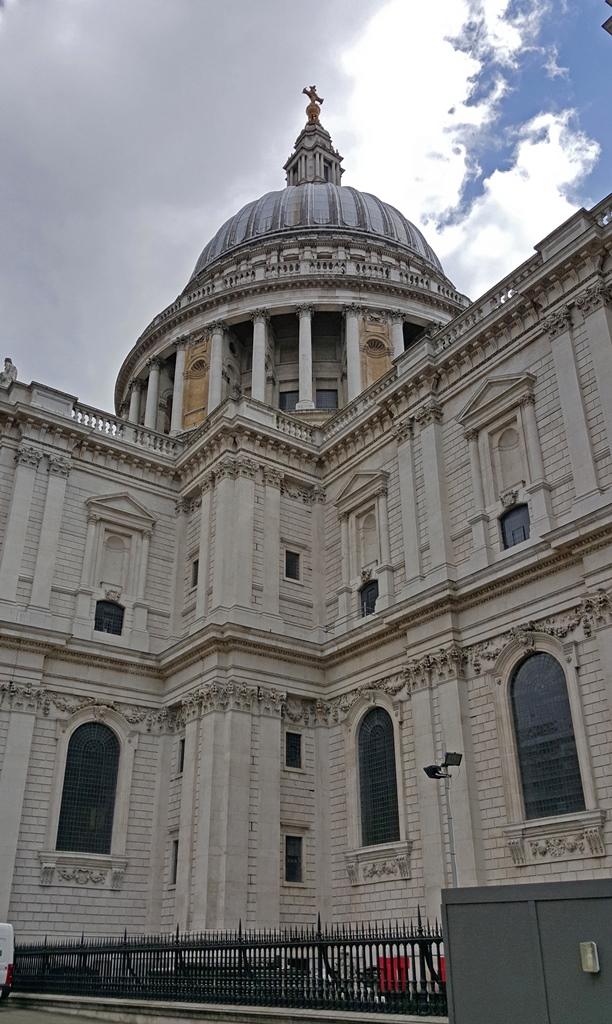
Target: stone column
204, 550
82, 615
209, 837
438, 527
482, 553
578, 438
271, 541
59, 468
596, 308
384, 572
344, 592
13, 777
152, 402
28, 459
268, 820
182, 901
225, 540
404, 435
538, 488
244, 492
353, 355
135, 389
176, 422
397, 332
182, 508
319, 610
305, 314
145, 542
215, 373
429, 792
260, 341
454, 712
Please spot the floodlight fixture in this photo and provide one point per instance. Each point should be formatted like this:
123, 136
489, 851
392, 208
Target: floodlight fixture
452, 760
434, 771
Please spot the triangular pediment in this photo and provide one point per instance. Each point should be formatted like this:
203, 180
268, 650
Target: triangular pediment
495, 396
121, 507
360, 488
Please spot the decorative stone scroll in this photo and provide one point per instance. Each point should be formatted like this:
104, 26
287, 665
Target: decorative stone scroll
595, 297
82, 870
385, 863
569, 837
557, 322
594, 610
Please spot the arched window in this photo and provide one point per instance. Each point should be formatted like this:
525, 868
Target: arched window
367, 597
88, 796
109, 617
377, 779
515, 526
548, 759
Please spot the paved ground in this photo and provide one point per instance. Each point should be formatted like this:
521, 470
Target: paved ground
12, 1015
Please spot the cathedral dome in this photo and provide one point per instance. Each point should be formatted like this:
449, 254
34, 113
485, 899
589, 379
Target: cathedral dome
319, 208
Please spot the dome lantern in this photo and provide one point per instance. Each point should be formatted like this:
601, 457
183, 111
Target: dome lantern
314, 158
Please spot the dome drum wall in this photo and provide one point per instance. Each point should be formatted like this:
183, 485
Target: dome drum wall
329, 270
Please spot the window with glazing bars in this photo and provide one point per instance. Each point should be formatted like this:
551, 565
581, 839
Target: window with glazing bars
195, 572
293, 858
377, 779
545, 742
293, 750
326, 398
287, 400
109, 617
515, 526
368, 596
88, 796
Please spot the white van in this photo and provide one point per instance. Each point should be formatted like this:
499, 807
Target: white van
6, 959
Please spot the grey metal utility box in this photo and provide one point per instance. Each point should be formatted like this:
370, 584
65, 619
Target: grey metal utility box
513, 953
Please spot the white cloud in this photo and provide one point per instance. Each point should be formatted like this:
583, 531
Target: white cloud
445, 69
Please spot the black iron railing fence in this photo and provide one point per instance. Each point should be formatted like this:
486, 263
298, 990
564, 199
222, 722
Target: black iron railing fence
398, 969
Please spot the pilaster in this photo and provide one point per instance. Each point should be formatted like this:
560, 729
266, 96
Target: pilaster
258, 370
429, 419
587, 492
353, 357
28, 459
59, 468
305, 314
21, 701
404, 435
595, 305
176, 422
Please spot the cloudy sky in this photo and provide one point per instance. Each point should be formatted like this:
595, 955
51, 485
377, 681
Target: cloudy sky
131, 129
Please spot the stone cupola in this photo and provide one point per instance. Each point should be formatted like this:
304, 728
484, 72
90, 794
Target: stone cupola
314, 158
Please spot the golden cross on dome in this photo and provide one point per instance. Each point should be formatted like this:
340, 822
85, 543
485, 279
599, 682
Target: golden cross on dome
313, 109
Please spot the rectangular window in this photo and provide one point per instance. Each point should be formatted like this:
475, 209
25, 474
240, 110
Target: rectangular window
287, 400
174, 861
195, 572
293, 858
293, 750
327, 399
292, 565
181, 756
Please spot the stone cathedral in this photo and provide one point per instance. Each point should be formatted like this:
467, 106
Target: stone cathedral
342, 520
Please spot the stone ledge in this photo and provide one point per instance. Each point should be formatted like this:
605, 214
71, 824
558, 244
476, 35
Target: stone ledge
126, 1011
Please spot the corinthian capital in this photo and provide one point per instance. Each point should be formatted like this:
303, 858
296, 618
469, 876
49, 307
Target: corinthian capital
595, 297
304, 310
557, 322
260, 316
430, 413
27, 455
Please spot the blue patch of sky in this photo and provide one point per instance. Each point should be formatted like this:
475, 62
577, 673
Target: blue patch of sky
571, 38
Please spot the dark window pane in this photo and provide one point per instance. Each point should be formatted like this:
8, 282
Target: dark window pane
368, 596
293, 858
327, 399
546, 747
292, 565
174, 861
109, 617
287, 400
88, 797
293, 750
195, 572
181, 756
515, 526
377, 779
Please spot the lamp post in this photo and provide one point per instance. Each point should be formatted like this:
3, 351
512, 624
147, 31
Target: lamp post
440, 771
